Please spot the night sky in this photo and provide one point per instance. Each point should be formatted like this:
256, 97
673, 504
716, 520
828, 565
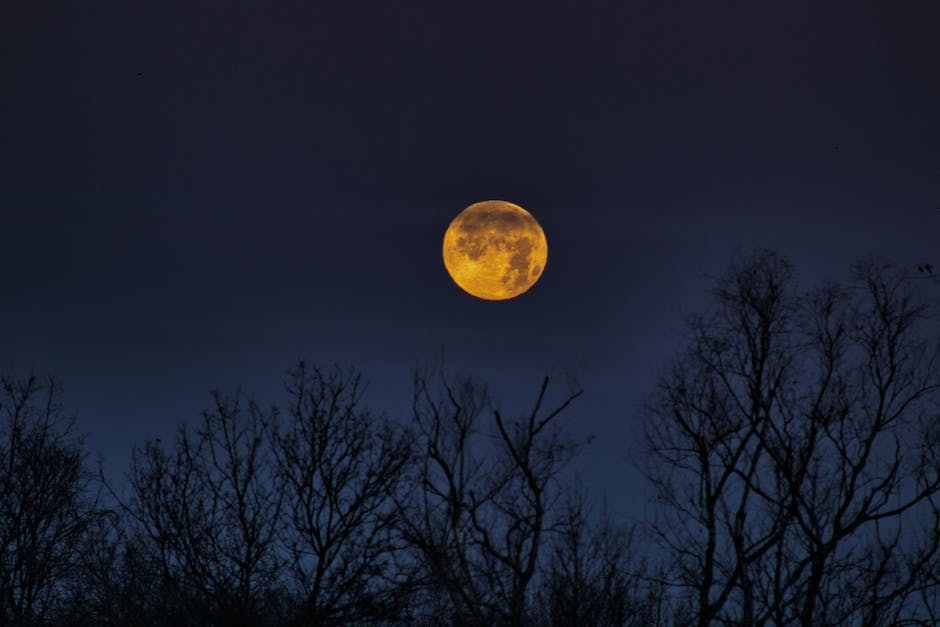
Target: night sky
195, 194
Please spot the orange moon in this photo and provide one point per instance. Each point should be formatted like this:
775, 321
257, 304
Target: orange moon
495, 250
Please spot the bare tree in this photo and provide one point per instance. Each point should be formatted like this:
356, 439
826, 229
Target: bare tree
593, 575
794, 453
484, 501
205, 515
48, 499
340, 467
113, 586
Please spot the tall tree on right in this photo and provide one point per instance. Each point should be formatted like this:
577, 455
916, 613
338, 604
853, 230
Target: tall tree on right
794, 446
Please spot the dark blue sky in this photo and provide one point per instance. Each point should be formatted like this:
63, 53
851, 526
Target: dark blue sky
195, 194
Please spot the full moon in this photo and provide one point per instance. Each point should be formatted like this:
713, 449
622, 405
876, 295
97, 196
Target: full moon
495, 250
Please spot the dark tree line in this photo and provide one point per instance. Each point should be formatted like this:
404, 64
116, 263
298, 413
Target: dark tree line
794, 451
793, 448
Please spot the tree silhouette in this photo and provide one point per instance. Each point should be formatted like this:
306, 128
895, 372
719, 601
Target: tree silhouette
339, 468
484, 501
593, 575
205, 516
48, 499
794, 450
